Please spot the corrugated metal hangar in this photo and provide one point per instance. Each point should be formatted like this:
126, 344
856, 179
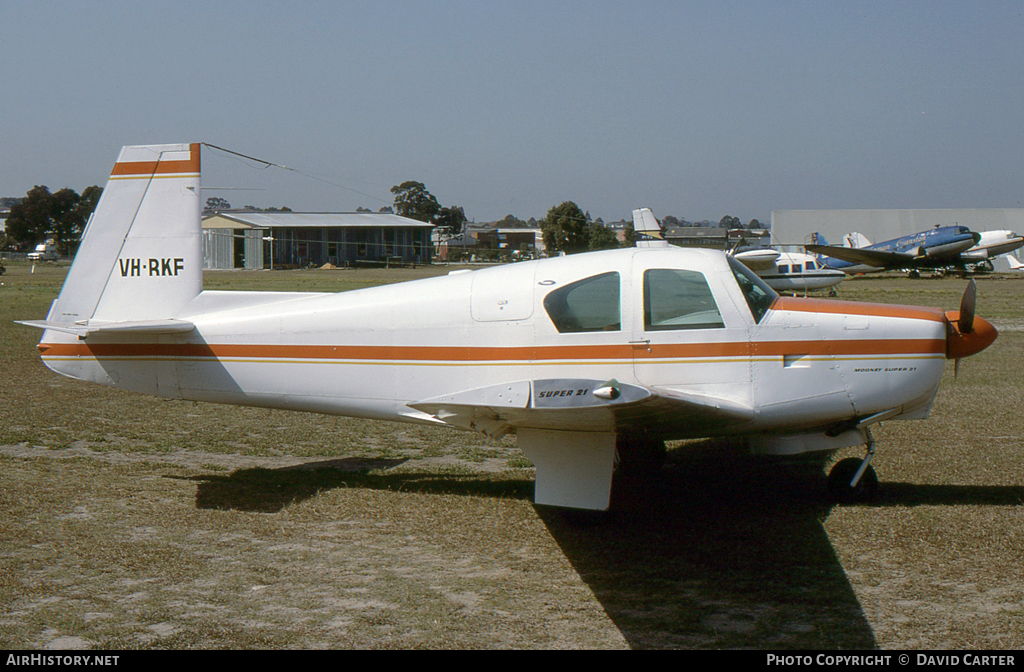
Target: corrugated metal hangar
298, 239
794, 227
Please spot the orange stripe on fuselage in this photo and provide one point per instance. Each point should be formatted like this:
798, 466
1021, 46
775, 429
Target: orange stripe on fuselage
833, 348
558, 353
443, 354
835, 307
340, 352
143, 168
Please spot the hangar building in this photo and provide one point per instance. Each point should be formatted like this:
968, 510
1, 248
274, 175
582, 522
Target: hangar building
297, 239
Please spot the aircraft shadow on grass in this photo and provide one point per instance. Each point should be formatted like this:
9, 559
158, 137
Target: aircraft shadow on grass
271, 490
714, 553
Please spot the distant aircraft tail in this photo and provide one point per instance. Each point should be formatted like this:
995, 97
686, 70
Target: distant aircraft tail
1015, 265
647, 230
855, 239
816, 239
140, 260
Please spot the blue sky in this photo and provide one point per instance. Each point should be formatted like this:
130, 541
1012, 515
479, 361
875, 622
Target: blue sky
694, 109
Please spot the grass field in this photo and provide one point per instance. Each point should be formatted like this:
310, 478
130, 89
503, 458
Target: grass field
133, 522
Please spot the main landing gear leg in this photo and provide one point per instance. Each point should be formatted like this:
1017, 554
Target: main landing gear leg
852, 480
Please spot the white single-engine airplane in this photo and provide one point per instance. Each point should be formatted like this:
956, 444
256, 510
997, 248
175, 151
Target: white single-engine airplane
591, 359
790, 271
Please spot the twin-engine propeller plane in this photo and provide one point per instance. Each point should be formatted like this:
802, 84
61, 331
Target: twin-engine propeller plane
978, 259
941, 247
591, 360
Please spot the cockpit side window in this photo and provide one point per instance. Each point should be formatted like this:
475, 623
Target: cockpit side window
591, 304
679, 299
759, 295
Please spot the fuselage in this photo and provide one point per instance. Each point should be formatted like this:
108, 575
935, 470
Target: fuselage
795, 272
993, 244
940, 245
668, 319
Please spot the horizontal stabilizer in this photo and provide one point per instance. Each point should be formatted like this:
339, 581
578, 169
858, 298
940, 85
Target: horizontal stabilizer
84, 329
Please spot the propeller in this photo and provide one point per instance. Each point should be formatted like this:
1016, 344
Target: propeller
966, 321
966, 333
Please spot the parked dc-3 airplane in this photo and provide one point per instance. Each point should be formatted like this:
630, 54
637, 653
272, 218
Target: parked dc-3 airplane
588, 359
991, 244
940, 247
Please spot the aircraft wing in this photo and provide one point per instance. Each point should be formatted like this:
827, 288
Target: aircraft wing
578, 405
856, 255
758, 260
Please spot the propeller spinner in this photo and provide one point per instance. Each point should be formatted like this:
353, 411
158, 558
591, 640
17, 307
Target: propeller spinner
967, 334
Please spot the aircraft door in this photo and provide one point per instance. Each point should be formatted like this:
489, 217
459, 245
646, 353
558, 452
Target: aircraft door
688, 333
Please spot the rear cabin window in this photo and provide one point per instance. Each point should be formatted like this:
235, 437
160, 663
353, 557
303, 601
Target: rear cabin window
591, 304
677, 299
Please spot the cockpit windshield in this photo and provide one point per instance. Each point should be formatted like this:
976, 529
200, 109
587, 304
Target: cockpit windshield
758, 294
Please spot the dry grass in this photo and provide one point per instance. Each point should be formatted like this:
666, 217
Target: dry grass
131, 522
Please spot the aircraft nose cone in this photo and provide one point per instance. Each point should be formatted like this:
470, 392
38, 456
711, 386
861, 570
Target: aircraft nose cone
960, 344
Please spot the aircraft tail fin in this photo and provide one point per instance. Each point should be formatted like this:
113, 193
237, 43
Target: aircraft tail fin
647, 230
816, 239
1015, 265
855, 239
141, 253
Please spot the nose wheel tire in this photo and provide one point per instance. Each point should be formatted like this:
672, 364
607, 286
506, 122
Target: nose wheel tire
842, 474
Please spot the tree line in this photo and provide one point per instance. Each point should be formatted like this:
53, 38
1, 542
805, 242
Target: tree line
727, 222
62, 216
566, 228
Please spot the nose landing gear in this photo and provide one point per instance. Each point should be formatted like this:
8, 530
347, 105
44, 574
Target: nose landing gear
854, 480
